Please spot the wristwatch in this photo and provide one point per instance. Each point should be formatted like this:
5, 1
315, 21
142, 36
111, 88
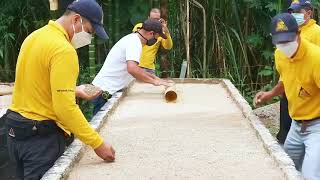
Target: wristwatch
106, 95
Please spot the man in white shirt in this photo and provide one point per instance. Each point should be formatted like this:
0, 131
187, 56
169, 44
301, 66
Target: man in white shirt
121, 65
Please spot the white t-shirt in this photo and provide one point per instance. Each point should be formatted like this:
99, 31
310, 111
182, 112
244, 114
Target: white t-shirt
113, 75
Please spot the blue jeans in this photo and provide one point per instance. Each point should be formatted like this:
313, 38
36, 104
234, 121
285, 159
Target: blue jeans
98, 103
304, 148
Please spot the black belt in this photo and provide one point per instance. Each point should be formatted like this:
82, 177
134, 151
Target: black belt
307, 121
19, 127
305, 124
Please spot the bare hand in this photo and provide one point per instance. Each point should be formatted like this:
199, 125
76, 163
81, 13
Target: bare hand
87, 92
170, 82
105, 152
261, 97
160, 82
164, 25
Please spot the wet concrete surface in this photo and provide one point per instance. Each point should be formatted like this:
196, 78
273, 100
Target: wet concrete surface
203, 135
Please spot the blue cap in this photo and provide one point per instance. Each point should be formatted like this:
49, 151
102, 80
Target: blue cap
284, 28
92, 11
155, 26
299, 4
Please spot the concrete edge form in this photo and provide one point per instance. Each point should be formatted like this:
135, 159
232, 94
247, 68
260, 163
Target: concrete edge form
269, 142
62, 167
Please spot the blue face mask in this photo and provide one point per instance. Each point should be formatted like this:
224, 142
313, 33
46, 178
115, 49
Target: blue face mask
299, 18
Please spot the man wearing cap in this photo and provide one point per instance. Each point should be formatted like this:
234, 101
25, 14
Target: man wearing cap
148, 56
44, 111
309, 30
121, 64
297, 61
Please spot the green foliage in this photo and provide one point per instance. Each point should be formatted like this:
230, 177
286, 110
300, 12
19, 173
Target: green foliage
85, 77
238, 38
17, 20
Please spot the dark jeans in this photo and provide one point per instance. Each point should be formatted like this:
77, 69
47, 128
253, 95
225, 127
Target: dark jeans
33, 155
98, 103
285, 120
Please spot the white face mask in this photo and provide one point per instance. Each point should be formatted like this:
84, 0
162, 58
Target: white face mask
299, 18
80, 39
288, 48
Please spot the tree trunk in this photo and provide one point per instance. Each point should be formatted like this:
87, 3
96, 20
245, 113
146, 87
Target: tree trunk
164, 53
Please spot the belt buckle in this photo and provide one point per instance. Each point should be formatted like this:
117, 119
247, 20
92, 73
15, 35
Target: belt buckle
304, 126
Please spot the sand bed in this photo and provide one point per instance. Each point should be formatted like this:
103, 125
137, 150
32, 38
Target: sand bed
202, 136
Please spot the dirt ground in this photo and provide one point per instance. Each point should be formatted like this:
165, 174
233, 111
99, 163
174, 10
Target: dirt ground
201, 136
269, 115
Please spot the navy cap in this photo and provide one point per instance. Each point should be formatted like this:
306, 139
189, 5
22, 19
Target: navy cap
299, 4
92, 11
155, 26
284, 28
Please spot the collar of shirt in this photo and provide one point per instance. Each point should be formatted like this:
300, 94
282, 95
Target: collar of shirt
58, 27
310, 23
300, 53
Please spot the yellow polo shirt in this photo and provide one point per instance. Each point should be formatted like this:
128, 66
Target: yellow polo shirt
311, 32
301, 78
46, 74
149, 53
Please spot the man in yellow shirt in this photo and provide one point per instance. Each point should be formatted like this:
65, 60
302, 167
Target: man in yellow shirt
302, 12
149, 53
44, 107
297, 61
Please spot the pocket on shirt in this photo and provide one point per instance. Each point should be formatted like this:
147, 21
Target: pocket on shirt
306, 90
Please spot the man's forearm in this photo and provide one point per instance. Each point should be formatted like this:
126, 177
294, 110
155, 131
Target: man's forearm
167, 43
153, 76
278, 89
140, 75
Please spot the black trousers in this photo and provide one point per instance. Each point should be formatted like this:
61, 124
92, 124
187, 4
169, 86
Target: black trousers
285, 120
36, 154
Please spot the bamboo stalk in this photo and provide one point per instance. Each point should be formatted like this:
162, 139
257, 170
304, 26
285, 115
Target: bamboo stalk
110, 23
117, 20
92, 58
170, 94
54, 8
164, 53
155, 3
204, 62
188, 40
53, 5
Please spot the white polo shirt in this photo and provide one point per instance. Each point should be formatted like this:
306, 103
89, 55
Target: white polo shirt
114, 75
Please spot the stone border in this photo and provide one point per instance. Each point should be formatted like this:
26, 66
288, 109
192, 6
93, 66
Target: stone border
270, 144
74, 152
63, 166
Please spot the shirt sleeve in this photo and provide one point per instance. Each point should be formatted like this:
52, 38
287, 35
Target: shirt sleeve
133, 50
316, 73
276, 57
167, 43
64, 70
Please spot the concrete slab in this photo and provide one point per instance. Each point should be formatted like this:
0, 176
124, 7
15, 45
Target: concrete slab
206, 134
